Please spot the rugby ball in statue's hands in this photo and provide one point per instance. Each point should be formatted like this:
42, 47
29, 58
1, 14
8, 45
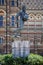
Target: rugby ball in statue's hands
25, 18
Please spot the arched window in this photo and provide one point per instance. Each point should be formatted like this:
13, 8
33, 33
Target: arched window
12, 3
13, 19
1, 2
1, 21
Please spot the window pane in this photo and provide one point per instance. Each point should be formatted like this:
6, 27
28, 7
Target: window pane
0, 40
12, 23
12, 17
1, 21
12, 3
2, 2
12, 20
1, 17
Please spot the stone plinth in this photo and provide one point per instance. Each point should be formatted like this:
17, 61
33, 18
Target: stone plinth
20, 48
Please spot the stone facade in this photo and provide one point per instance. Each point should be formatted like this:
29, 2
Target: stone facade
32, 30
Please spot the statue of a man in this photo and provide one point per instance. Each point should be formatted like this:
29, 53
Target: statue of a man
23, 17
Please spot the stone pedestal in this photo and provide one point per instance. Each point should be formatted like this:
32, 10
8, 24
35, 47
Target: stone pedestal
20, 48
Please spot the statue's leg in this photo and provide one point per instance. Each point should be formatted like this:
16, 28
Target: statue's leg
21, 24
19, 28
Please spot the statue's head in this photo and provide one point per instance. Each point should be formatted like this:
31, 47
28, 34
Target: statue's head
23, 8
